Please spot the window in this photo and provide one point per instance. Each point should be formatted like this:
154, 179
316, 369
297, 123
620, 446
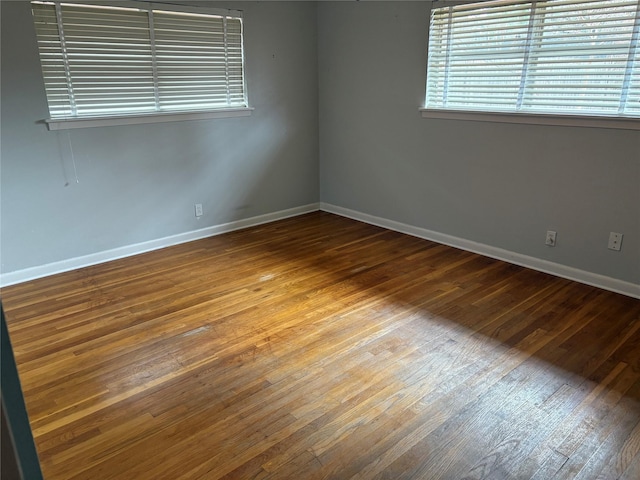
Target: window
101, 61
571, 57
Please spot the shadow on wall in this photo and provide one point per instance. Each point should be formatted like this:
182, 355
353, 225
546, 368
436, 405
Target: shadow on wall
235, 168
221, 164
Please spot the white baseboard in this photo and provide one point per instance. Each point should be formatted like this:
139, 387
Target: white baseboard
557, 269
582, 276
19, 276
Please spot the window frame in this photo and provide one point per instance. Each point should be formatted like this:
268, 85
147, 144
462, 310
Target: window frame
135, 118
522, 117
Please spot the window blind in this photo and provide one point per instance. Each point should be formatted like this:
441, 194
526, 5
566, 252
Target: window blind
547, 56
104, 60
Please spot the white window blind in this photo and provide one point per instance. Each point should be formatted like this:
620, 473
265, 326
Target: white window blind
104, 60
577, 57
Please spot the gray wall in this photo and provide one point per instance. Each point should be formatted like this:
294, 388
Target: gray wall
503, 185
140, 182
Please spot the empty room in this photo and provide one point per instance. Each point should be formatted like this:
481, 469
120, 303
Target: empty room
332, 239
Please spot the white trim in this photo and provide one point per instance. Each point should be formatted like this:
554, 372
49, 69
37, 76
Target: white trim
107, 121
559, 270
582, 276
19, 276
622, 123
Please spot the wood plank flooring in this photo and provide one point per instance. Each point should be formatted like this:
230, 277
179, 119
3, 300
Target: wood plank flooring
321, 347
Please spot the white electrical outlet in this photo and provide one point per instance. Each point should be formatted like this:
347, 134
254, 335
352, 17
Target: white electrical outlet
615, 241
198, 209
551, 238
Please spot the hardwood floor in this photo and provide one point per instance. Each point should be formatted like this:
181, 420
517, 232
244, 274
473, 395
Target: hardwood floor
321, 347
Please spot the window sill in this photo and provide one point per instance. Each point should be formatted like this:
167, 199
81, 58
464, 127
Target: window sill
107, 121
535, 119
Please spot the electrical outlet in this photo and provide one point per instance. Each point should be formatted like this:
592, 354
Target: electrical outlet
615, 241
198, 209
551, 238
